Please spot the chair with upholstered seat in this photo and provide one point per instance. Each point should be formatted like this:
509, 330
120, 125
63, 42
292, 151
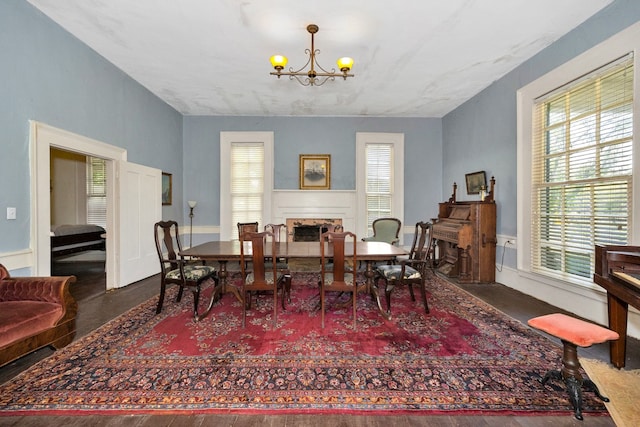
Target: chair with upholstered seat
259, 278
247, 227
176, 269
385, 230
410, 271
244, 227
337, 269
336, 228
280, 234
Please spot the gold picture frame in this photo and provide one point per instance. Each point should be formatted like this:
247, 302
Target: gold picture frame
167, 189
315, 171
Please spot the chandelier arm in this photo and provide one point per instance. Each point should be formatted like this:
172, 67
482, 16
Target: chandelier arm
299, 71
315, 60
332, 78
287, 73
304, 82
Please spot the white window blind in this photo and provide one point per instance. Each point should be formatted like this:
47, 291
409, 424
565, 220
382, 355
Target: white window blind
96, 191
379, 182
247, 183
582, 171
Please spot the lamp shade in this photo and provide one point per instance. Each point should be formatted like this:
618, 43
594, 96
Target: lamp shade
345, 63
278, 61
192, 203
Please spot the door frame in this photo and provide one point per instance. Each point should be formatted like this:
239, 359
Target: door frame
42, 138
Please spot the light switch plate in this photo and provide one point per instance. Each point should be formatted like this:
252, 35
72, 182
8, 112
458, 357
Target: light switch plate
11, 213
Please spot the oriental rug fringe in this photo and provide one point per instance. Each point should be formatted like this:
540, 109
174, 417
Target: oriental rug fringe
465, 357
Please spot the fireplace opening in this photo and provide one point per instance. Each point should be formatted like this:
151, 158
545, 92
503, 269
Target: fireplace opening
309, 229
308, 233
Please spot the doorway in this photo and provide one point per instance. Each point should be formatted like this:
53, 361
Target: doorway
133, 198
78, 204
43, 139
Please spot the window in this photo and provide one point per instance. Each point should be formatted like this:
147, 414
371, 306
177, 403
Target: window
96, 191
581, 171
380, 156
379, 182
576, 168
247, 183
246, 180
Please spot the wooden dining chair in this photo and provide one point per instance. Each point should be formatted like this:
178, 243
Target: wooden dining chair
245, 227
280, 234
176, 269
410, 271
335, 228
260, 278
337, 268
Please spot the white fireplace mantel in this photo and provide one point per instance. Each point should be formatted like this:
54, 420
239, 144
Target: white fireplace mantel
334, 204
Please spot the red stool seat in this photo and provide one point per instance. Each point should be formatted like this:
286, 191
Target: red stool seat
573, 333
579, 332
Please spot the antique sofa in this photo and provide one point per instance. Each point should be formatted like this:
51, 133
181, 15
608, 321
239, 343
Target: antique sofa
34, 312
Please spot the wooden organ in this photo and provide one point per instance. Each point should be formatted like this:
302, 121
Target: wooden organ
465, 235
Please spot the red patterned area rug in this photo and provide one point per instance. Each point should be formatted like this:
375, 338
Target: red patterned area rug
464, 357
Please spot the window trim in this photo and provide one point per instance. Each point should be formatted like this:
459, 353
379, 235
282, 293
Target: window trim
397, 140
617, 46
226, 139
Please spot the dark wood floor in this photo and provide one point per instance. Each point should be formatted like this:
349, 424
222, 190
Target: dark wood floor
96, 307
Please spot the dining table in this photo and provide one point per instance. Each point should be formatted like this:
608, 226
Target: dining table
225, 251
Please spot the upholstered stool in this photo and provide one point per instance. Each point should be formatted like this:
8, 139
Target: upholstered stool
573, 332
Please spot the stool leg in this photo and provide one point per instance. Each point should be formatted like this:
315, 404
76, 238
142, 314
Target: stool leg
573, 381
572, 377
556, 375
574, 389
591, 386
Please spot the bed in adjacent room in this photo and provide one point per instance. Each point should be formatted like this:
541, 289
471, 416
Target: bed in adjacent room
69, 239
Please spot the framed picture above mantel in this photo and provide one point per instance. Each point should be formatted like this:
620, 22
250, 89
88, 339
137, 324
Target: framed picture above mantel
315, 171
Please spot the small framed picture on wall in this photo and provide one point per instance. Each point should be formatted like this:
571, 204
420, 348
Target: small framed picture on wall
475, 182
166, 188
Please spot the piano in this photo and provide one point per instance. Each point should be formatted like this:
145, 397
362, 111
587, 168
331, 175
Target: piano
617, 270
465, 235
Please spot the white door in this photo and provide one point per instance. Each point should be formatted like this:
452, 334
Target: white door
140, 208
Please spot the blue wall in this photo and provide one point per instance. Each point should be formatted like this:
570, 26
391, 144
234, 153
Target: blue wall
47, 75
481, 133
299, 135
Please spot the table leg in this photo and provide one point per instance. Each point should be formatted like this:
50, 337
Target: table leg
221, 290
618, 310
373, 289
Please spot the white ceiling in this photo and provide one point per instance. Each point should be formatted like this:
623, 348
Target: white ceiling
413, 58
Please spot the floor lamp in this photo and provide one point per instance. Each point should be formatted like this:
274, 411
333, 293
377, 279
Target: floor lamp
192, 204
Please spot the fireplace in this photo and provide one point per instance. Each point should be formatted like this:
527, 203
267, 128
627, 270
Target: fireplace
308, 229
308, 233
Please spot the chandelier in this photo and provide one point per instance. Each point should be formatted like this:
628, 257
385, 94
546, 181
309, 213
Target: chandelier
312, 77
